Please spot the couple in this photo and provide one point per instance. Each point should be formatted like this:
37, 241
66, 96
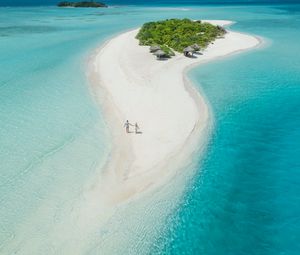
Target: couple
127, 125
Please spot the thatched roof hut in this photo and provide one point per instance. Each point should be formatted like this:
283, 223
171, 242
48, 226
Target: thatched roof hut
154, 48
160, 54
188, 50
196, 47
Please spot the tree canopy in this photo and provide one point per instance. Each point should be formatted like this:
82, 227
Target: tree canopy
177, 34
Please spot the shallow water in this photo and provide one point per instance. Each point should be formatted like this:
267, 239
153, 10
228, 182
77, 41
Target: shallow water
244, 198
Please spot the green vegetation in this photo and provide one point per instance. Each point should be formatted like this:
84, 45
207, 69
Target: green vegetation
169, 52
82, 4
178, 34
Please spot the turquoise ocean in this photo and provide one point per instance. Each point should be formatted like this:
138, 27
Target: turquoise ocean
243, 193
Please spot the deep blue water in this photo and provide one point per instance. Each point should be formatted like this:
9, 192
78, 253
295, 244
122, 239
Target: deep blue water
244, 197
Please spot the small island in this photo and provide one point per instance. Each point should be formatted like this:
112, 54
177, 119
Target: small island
84, 4
181, 35
174, 117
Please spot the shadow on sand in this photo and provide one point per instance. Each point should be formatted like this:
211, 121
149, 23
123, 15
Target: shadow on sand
198, 53
191, 56
162, 59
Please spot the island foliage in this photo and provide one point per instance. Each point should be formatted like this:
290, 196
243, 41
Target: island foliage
178, 34
81, 4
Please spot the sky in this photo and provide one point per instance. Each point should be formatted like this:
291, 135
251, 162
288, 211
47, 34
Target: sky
151, 2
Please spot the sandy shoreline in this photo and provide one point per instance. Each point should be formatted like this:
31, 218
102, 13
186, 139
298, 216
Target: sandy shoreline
129, 83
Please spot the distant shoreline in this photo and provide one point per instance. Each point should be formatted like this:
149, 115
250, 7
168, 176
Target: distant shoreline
82, 4
129, 83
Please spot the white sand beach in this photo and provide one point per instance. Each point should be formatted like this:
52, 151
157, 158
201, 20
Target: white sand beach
131, 84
